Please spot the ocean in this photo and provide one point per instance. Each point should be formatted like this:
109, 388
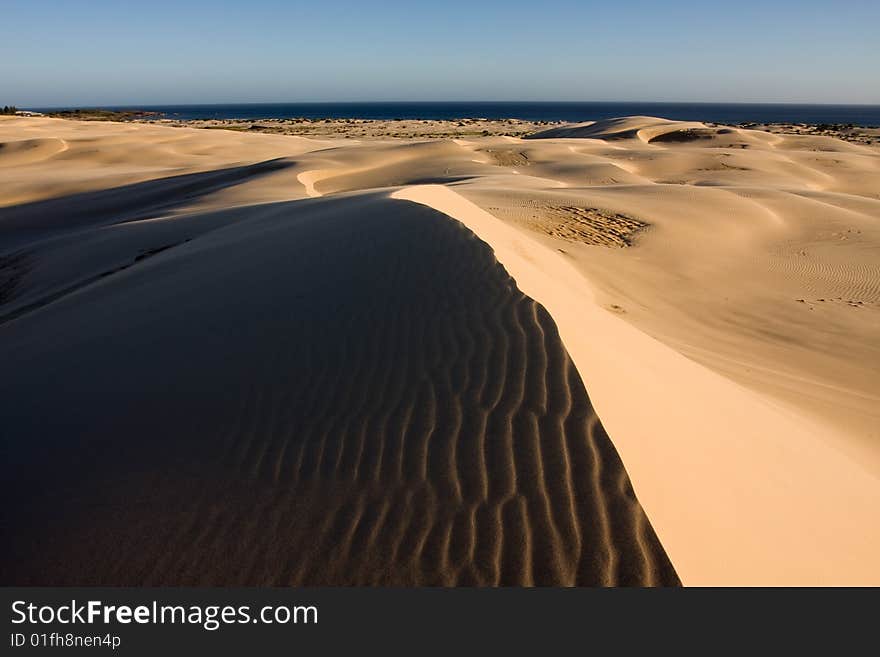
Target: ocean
863, 115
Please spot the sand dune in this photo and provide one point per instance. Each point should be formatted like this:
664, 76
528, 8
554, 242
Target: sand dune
84, 156
279, 360
764, 474
628, 127
28, 151
340, 393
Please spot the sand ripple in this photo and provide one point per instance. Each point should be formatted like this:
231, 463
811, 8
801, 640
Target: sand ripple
351, 393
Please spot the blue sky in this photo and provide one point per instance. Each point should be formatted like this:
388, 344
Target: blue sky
99, 52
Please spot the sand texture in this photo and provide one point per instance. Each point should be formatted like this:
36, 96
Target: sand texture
614, 353
340, 391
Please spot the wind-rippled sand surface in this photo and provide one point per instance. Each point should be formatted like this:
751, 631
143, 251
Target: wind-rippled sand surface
261, 359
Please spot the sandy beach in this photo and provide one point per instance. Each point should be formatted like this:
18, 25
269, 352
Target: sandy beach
629, 352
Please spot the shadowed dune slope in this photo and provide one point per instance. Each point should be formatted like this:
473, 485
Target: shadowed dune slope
128, 203
625, 127
333, 391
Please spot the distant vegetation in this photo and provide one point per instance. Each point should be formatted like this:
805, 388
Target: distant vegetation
98, 114
9, 109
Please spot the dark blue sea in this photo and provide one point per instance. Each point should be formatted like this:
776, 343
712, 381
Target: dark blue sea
864, 115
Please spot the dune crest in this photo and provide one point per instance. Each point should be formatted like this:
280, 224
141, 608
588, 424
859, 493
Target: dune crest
719, 428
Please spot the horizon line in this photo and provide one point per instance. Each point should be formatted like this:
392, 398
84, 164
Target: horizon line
453, 101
